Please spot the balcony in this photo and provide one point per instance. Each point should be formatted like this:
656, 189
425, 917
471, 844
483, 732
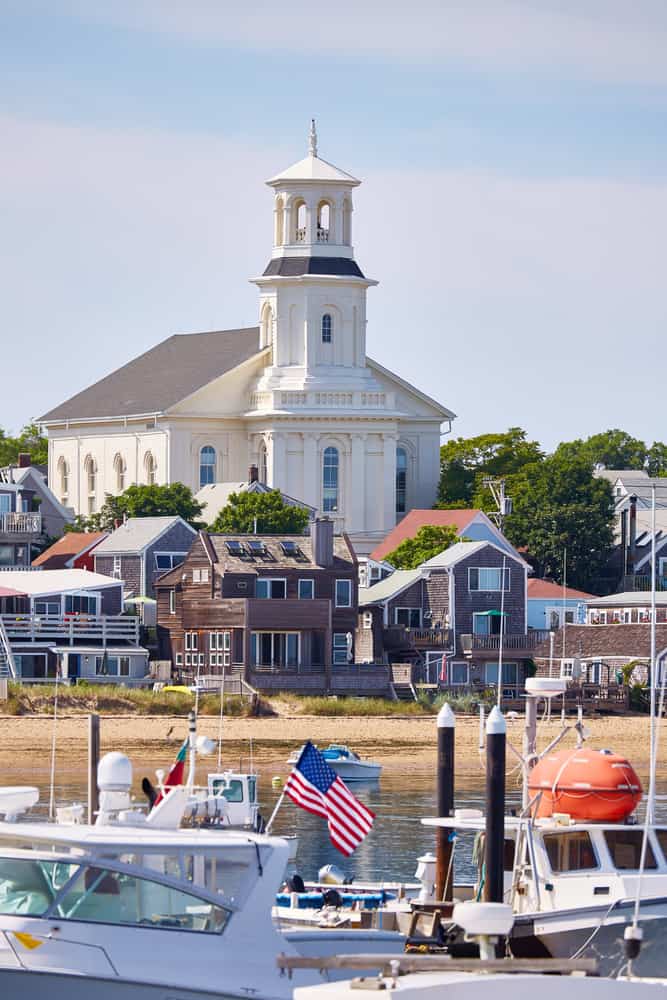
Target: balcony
641, 582
69, 629
521, 644
398, 637
21, 524
322, 235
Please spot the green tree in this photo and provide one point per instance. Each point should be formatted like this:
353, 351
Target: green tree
273, 515
28, 440
559, 505
429, 541
613, 449
465, 462
144, 501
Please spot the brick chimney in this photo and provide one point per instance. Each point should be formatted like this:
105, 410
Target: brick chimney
24, 460
253, 474
322, 540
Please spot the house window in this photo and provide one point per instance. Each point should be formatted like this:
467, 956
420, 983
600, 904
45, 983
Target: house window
5, 503
510, 674
188, 659
487, 578
179, 659
341, 650
484, 623
401, 480
644, 615
200, 575
80, 604
220, 640
566, 668
117, 567
367, 619
167, 560
192, 640
172, 602
63, 480
90, 472
267, 587
274, 649
343, 593
206, 465
119, 468
47, 608
150, 468
306, 590
263, 464
326, 328
409, 617
330, 480
459, 672
662, 566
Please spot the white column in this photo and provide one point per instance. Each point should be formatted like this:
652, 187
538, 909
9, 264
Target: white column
356, 519
389, 480
311, 471
279, 470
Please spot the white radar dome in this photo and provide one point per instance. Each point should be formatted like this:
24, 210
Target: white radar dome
476, 919
545, 687
114, 773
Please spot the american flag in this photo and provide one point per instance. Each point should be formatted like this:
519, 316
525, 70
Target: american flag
316, 787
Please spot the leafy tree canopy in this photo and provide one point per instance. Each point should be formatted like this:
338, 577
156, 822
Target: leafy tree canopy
429, 541
614, 449
559, 505
143, 501
28, 440
274, 516
465, 462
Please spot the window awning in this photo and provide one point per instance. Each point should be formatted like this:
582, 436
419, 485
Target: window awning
493, 614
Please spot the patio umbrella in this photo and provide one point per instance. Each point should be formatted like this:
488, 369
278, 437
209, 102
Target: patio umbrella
140, 600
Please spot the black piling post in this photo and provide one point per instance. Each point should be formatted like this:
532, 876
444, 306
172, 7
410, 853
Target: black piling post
496, 735
444, 876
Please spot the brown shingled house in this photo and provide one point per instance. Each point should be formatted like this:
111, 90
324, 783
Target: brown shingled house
278, 610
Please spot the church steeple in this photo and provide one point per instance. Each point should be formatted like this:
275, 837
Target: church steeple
312, 139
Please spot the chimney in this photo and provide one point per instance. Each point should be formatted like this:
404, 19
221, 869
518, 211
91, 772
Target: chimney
322, 540
632, 534
24, 460
253, 474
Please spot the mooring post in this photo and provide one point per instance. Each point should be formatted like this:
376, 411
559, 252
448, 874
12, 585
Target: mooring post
494, 842
93, 761
444, 878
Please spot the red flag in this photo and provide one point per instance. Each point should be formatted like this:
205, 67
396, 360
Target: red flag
176, 773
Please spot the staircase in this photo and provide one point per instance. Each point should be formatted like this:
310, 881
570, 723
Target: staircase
7, 664
403, 692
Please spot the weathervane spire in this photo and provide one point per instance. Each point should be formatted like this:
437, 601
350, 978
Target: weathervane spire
312, 139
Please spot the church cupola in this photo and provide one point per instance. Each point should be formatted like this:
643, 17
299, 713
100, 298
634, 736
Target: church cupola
313, 217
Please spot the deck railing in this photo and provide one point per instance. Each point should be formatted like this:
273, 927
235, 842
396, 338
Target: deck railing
642, 582
103, 629
400, 637
523, 641
19, 523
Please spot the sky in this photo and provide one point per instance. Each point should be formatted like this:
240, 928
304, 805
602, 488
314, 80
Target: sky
513, 208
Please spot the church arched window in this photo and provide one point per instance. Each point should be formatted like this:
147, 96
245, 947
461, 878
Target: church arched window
63, 479
263, 470
206, 465
267, 325
90, 472
323, 222
299, 215
327, 326
401, 481
150, 468
119, 468
330, 463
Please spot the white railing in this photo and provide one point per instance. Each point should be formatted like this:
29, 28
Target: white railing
104, 628
301, 235
19, 523
23, 569
356, 400
322, 235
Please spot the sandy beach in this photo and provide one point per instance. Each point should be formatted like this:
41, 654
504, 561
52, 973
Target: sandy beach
399, 743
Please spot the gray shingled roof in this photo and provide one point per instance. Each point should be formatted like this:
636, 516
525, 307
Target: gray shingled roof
136, 533
162, 376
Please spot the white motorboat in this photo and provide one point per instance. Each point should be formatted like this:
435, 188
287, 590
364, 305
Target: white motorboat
135, 906
345, 762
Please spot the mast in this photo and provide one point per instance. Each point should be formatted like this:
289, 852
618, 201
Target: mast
650, 805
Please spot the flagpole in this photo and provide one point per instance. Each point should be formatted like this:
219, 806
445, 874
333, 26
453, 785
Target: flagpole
273, 815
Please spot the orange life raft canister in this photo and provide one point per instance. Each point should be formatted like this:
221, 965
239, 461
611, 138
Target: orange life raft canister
591, 785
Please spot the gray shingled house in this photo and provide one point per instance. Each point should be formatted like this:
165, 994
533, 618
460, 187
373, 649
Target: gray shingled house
141, 549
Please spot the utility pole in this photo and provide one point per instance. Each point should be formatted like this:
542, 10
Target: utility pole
503, 503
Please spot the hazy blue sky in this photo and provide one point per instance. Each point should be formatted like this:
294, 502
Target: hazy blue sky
514, 205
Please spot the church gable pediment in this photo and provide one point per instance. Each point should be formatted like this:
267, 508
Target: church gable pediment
408, 399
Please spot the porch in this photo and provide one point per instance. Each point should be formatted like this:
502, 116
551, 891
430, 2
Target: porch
521, 644
19, 523
361, 680
70, 629
398, 638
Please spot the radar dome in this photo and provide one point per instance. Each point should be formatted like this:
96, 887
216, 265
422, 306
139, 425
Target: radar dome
114, 773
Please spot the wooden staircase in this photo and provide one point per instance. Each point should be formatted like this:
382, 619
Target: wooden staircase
7, 664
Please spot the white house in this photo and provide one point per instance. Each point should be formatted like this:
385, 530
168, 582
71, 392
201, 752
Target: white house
296, 396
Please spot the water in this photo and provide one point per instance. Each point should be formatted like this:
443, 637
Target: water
399, 800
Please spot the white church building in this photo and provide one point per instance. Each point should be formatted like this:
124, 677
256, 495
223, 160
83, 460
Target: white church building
296, 396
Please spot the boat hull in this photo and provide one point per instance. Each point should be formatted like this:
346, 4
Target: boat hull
596, 932
20, 984
355, 770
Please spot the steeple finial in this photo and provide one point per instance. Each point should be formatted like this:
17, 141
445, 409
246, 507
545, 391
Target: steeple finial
312, 139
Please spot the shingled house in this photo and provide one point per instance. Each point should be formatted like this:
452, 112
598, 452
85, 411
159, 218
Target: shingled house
279, 610
452, 606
